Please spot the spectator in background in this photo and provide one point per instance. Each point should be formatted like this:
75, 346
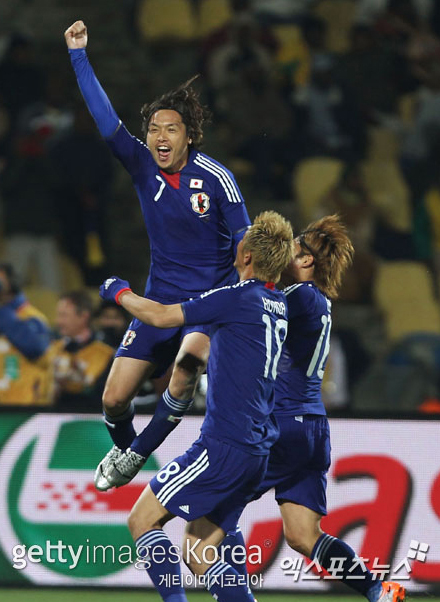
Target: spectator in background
81, 362
350, 199
368, 11
21, 79
256, 119
368, 69
327, 118
420, 151
110, 322
25, 367
29, 204
83, 173
281, 11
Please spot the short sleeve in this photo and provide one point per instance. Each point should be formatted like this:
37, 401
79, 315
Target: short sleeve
213, 307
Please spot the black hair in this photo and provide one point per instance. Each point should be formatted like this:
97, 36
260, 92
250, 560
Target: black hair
80, 299
12, 277
185, 100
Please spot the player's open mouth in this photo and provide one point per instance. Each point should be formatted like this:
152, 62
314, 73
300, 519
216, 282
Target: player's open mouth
163, 152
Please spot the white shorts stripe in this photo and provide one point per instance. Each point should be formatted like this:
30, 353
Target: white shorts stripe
162, 494
224, 178
189, 478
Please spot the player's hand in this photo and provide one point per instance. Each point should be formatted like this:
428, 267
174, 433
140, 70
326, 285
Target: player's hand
111, 288
76, 35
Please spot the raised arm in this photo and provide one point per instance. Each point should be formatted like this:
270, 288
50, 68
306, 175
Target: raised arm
146, 310
96, 99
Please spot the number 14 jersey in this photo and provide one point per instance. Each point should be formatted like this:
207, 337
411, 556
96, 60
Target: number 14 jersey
305, 352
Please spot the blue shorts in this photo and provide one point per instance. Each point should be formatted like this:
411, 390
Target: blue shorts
156, 345
211, 479
299, 461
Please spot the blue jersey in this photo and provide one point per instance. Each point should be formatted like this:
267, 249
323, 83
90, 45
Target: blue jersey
249, 328
194, 218
304, 356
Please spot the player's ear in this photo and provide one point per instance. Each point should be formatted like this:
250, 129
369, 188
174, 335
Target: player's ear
247, 258
307, 260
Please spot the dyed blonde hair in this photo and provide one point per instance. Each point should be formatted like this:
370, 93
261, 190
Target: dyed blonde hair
270, 240
328, 242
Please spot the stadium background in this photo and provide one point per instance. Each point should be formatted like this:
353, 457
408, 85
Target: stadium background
382, 389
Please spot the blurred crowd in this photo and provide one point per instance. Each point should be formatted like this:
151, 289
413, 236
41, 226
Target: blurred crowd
319, 106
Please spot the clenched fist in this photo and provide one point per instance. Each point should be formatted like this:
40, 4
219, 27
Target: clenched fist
76, 35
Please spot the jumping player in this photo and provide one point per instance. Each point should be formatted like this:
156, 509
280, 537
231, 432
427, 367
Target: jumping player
209, 485
195, 218
300, 459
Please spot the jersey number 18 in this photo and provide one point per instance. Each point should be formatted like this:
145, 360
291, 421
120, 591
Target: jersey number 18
280, 325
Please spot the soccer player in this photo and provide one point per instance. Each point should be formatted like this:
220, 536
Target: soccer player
195, 218
300, 458
210, 483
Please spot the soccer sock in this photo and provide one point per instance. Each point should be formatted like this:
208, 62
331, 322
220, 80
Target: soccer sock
168, 414
352, 574
121, 427
232, 550
226, 585
161, 564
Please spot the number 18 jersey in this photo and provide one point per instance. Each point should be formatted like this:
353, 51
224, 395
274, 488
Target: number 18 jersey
304, 355
248, 330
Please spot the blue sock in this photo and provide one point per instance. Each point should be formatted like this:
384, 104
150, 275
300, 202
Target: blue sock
230, 551
121, 427
328, 547
162, 565
169, 412
226, 585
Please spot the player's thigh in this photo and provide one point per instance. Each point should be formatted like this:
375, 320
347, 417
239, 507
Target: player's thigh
123, 382
147, 513
302, 526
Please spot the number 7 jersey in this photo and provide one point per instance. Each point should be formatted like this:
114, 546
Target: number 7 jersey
305, 352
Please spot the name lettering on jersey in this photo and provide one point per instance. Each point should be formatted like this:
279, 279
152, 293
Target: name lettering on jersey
200, 202
222, 288
194, 183
275, 307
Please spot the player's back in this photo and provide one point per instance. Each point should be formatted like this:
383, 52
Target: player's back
246, 341
304, 355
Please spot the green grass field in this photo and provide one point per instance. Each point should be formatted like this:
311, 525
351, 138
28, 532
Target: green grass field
83, 595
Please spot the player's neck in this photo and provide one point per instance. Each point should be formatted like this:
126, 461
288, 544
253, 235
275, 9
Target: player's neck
246, 273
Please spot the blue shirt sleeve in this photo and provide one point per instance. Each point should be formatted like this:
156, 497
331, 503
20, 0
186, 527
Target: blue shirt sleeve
213, 307
31, 337
96, 99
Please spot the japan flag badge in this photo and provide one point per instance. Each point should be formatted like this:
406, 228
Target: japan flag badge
194, 183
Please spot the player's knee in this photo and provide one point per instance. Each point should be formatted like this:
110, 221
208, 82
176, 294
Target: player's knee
299, 540
138, 524
113, 401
